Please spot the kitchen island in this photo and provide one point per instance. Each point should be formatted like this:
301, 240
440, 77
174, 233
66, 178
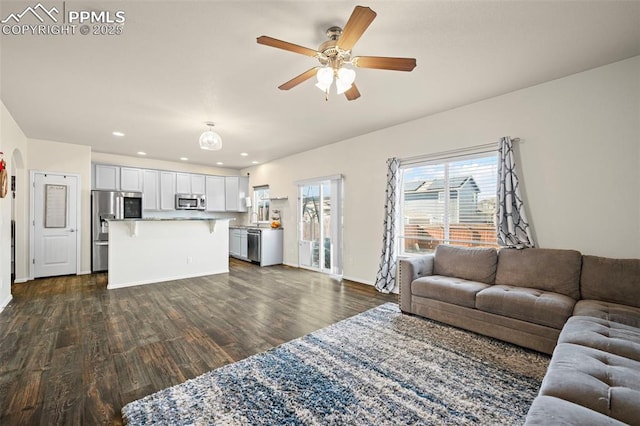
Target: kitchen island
144, 251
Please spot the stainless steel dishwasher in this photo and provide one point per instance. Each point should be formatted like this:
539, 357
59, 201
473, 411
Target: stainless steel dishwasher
253, 245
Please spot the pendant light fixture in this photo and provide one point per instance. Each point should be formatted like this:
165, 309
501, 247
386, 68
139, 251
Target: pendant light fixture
210, 140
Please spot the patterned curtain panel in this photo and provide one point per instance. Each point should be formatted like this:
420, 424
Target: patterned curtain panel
513, 228
386, 278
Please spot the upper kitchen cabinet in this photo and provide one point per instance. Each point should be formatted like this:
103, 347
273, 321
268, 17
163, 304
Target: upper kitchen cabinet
150, 190
130, 179
236, 190
188, 183
106, 177
215, 192
167, 190
198, 184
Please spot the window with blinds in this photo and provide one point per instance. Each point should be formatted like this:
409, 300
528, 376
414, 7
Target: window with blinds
449, 201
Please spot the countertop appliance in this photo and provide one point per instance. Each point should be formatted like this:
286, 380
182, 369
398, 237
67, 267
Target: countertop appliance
264, 246
106, 205
190, 202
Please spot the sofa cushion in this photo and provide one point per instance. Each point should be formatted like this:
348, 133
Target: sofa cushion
448, 289
527, 304
547, 410
474, 264
622, 314
611, 280
552, 270
608, 336
603, 382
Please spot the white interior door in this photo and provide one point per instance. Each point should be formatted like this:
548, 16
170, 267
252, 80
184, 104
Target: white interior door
55, 230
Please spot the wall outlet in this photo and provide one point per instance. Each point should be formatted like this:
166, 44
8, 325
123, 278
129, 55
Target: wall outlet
189, 260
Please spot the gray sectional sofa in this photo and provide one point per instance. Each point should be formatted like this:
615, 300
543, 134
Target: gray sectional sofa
584, 310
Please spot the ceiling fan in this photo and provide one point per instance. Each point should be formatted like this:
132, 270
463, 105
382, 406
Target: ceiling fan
335, 53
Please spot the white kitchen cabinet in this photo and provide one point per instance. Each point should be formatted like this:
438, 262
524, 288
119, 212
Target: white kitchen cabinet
244, 248
150, 190
167, 190
231, 193
107, 177
271, 248
215, 192
236, 190
234, 242
189, 183
130, 179
183, 183
198, 184
234, 245
238, 243
159, 187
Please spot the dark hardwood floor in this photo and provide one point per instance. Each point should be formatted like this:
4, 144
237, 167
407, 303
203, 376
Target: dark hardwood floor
73, 352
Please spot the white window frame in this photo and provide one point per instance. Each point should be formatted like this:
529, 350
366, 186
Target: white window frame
260, 202
440, 158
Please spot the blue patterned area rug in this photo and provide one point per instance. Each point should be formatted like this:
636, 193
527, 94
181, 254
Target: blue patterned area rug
379, 367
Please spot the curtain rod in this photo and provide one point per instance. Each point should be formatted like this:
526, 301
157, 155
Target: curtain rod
455, 153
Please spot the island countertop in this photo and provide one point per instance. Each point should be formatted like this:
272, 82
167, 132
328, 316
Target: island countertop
169, 219
261, 228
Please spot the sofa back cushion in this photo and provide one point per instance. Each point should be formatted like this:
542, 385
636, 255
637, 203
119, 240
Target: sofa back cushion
475, 264
551, 270
611, 280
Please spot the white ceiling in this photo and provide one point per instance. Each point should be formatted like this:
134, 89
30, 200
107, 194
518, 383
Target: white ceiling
179, 64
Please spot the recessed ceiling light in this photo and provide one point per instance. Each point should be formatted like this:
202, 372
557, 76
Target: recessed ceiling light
244, 154
118, 134
184, 158
219, 163
255, 162
142, 153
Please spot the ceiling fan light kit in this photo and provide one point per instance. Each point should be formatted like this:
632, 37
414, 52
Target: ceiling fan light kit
210, 140
325, 78
334, 53
345, 79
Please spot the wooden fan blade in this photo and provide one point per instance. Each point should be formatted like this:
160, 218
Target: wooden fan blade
359, 21
299, 79
352, 94
385, 63
284, 45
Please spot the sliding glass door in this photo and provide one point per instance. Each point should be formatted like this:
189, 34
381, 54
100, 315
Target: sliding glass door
320, 227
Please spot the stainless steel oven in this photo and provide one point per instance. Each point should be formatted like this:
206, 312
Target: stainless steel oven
130, 205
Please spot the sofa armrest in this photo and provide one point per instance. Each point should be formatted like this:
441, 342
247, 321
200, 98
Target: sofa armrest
408, 270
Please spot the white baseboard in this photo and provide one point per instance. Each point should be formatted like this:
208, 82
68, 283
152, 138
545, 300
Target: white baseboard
113, 286
5, 302
371, 283
20, 280
359, 280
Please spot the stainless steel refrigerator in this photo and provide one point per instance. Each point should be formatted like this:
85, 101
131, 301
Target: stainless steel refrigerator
107, 205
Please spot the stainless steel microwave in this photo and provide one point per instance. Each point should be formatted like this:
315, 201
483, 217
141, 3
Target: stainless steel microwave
190, 202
